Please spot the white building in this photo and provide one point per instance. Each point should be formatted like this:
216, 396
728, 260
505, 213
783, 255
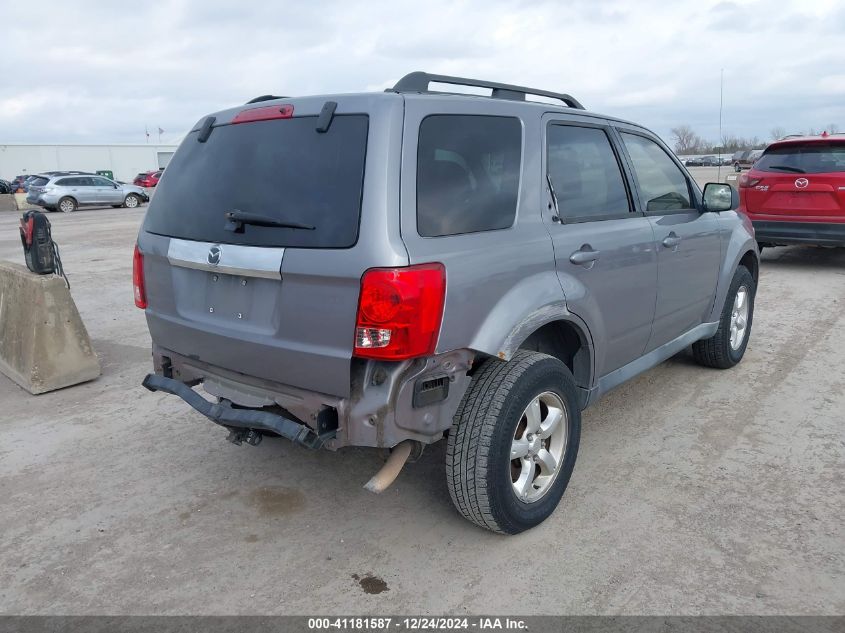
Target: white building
125, 161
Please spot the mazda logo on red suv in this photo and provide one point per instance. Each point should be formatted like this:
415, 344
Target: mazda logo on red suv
801, 182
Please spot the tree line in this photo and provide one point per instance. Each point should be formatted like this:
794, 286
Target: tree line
688, 142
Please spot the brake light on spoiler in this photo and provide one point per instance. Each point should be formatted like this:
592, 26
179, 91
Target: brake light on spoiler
265, 113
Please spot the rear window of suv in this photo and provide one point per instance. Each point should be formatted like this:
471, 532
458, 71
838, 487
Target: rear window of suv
808, 158
468, 170
282, 169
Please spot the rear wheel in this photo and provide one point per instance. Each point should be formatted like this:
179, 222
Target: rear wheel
67, 205
727, 347
737, 168
132, 201
513, 445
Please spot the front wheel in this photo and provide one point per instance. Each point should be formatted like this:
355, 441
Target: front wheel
727, 347
512, 448
132, 201
737, 168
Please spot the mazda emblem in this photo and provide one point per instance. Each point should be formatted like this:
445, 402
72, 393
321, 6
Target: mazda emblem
214, 255
801, 183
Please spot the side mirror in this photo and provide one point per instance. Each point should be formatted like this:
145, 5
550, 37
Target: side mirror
720, 197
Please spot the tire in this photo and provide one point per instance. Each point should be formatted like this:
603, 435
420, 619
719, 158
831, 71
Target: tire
132, 201
718, 351
491, 418
737, 168
67, 205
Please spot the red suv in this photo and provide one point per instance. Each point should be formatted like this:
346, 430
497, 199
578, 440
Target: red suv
148, 178
795, 192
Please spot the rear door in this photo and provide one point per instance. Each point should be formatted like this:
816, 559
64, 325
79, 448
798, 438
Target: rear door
798, 182
107, 193
687, 241
273, 302
604, 250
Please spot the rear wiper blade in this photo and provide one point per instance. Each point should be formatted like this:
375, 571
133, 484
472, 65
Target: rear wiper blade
796, 170
236, 220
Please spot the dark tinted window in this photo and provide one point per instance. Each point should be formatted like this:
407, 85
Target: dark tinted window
39, 182
662, 184
283, 169
809, 158
467, 173
102, 182
585, 173
65, 182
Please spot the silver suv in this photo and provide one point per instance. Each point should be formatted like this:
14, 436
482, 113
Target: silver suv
68, 191
400, 267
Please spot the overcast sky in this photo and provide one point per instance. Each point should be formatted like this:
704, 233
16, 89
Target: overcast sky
100, 71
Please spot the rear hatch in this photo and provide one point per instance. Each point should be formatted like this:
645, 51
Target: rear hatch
272, 293
798, 181
37, 186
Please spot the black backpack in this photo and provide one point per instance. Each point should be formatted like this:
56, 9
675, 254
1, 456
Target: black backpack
40, 252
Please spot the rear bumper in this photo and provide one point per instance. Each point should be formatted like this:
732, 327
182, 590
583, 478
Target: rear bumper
820, 233
390, 401
225, 415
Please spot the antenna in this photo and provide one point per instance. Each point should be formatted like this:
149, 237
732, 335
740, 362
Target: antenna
721, 105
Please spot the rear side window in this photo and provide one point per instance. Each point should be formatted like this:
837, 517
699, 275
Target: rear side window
662, 184
809, 158
468, 170
40, 182
282, 169
585, 173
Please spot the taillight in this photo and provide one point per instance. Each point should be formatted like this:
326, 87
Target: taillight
399, 312
746, 181
138, 278
264, 114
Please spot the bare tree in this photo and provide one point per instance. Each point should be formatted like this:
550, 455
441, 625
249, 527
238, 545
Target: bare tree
832, 128
777, 133
685, 139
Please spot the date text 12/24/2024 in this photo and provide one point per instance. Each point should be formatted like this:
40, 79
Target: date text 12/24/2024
415, 624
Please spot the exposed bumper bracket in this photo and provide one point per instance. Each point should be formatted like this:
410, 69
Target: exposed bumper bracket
226, 415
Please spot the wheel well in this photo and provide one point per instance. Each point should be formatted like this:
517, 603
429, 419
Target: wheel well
749, 260
566, 342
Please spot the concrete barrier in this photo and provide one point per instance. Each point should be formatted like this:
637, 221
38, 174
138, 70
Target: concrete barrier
20, 200
43, 343
8, 202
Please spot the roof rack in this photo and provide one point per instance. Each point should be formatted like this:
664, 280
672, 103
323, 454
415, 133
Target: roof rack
418, 82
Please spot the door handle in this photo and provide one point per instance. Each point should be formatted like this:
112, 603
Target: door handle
586, 255
671, 240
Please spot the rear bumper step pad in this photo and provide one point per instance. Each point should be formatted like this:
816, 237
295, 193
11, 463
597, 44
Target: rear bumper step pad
228, 416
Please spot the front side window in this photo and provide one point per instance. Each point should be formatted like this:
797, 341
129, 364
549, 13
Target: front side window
663, 186
468, 169
585, 174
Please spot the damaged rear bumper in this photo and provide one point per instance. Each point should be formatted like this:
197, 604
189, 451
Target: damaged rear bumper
247, 419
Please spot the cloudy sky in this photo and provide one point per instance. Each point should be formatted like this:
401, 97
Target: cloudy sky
100, 71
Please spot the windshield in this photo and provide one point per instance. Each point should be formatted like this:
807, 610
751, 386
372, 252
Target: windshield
282, 169
810, 158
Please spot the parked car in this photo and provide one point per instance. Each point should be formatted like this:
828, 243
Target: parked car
709, 161
148, 178
6, 187
69, 192
744, 159
693, 162
17, 181
403, 265
795, 192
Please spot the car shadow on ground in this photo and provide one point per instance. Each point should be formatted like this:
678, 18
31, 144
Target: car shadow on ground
802, 257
